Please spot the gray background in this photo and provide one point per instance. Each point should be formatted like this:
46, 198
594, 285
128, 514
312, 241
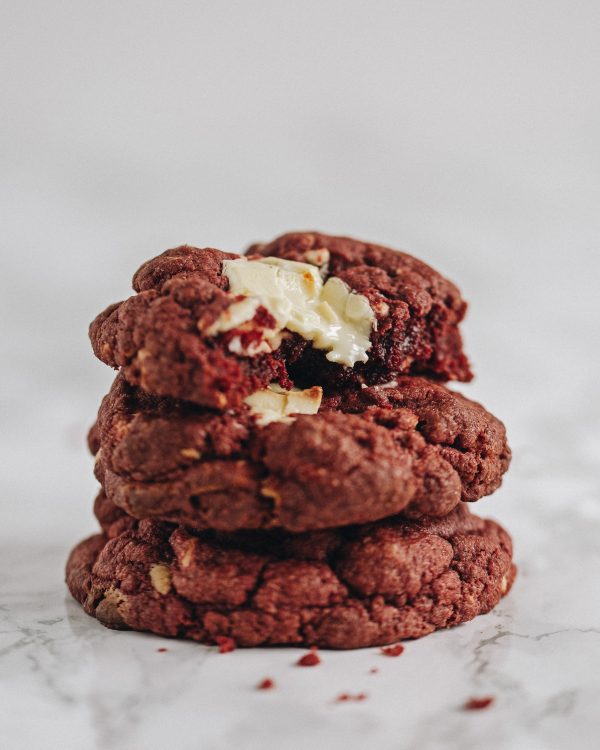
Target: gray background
464, 132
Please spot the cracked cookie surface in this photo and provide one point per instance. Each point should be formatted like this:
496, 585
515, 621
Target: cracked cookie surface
413, 447
159, 337
156, 337
344, 588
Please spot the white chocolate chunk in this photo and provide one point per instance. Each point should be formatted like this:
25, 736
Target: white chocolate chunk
330, 315
273, 404
234, 316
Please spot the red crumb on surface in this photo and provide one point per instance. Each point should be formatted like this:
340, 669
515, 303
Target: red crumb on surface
475, 704
266, 684
345, 697
225, 643
161, 650
373, 670
311, 659
393, 650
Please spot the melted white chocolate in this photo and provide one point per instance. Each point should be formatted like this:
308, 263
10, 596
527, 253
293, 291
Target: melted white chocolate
330, 314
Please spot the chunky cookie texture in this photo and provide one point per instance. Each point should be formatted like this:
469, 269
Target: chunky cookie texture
186, 335
413, 447
345, 588
158, 337
418, 310
466, 435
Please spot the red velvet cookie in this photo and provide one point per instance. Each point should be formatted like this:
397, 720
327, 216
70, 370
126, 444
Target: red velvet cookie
345, 588
212, 328
413, 447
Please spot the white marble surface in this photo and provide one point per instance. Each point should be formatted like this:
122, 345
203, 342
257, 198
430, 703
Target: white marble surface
465, 132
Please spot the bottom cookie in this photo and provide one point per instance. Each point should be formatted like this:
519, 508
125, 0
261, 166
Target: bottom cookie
344, 588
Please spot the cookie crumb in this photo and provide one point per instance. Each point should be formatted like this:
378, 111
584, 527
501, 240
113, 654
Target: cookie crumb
475, 704
161, 650
373, 670
309, 660
225, 644
393, 650
266, 684
344, 697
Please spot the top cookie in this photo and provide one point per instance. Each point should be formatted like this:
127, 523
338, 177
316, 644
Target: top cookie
213, 327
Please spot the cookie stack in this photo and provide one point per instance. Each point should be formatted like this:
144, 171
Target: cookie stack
280, 461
